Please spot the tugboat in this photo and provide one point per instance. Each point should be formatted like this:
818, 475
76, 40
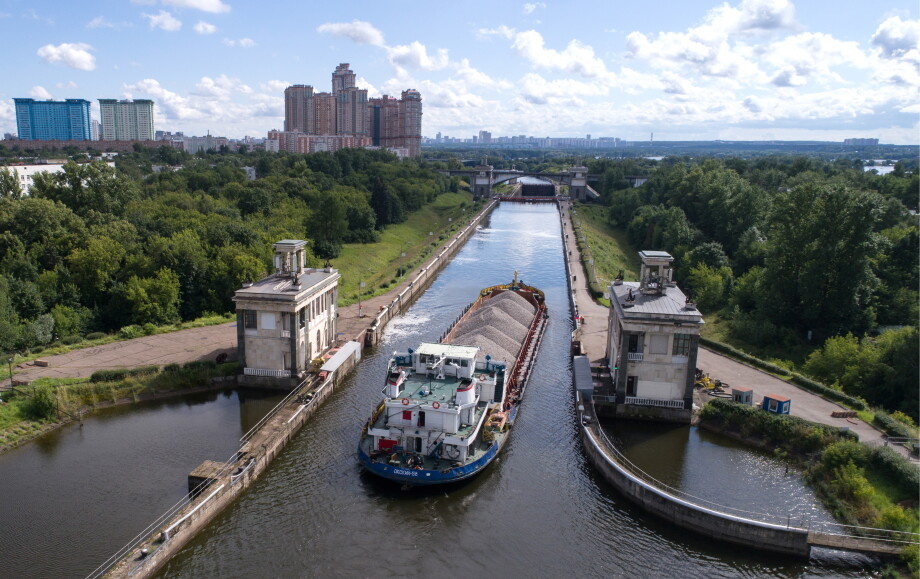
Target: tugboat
449, 407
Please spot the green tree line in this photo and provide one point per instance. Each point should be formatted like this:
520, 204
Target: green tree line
791, 251
96, 248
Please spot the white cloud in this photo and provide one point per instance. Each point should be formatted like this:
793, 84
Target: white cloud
75, 55
69, 84
221, 87
416, 56
357, 30
205, 28
530, 7
103, 22
163, 20
503, 31
897, 38
471, 77
275, 86
213, 6
807, 55
753, 15
568, 92
39, 92
242, 42
576, 58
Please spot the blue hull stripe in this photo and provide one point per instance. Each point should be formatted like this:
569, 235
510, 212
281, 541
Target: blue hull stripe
428, 477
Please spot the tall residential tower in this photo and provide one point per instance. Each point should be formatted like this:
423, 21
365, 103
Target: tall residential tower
50, 120
126, 120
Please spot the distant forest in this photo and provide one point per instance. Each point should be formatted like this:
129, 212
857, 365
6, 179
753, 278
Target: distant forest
96, 249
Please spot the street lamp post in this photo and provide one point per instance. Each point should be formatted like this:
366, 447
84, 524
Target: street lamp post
360, 291
9, 362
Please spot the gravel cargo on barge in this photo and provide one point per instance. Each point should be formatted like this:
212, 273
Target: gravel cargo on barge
449, 407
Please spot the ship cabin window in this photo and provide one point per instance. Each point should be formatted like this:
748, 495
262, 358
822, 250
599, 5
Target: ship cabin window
407, 415
421, 418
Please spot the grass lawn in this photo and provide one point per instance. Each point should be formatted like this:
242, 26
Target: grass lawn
376, 264
605, 244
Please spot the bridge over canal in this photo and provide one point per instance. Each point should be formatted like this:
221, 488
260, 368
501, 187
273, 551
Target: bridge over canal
483, 177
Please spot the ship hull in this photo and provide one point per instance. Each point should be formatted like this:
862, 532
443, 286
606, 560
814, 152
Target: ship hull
384, 454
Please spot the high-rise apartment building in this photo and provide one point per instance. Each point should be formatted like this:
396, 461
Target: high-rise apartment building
126, 120
298, 108
50, 120
343, 78
347, 112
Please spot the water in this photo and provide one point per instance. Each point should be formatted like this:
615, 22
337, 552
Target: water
539, 510
73, 497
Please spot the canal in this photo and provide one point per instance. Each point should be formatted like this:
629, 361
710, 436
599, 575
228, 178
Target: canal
72, 498
538, 511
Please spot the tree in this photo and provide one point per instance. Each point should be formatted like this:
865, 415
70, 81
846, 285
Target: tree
154, 300
707, 286
9, 184
327, 228
821, 246
94, 267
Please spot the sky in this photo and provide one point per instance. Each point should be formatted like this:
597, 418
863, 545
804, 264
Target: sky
680, 69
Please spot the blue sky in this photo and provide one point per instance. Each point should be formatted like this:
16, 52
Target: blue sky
683, 69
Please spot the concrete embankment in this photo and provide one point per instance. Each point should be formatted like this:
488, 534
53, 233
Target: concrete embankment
217, 485
589, 348
221, 486
721, 526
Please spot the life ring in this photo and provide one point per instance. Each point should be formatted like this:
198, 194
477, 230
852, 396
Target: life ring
405, 401
435, 404
482, 377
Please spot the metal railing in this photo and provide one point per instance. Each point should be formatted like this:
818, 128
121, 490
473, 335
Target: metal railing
635, 356
655, 402
799, 521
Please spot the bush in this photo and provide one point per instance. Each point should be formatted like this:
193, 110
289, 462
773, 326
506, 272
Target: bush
130, 332
95, 336
122, 373
787, 432
891, 426
149, 329
37, 350
200, 364
43, 404
897, 468
172, 367
70, 340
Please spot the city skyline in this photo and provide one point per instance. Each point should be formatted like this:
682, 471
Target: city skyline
701, 70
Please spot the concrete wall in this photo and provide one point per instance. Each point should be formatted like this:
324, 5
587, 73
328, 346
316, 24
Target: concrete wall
263, 447
720, 526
